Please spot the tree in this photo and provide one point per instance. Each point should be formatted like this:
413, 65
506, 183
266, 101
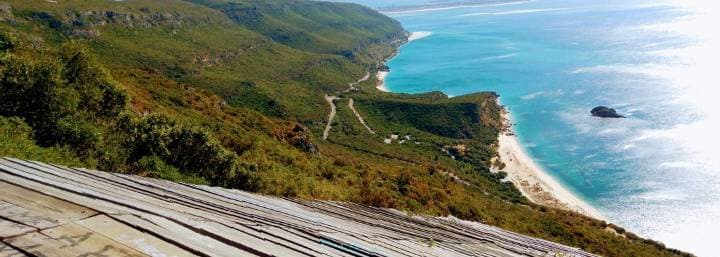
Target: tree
100, 93
8, 41
61, 99
192, 150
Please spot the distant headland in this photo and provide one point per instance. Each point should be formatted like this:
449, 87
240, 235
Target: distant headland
441, 5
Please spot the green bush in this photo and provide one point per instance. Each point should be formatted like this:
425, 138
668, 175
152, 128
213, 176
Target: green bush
33, 91
82, 135
99, 92
8, 41
192, 150
61, 101
16, 141
156, 167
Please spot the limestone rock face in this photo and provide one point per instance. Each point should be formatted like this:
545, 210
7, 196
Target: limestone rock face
605, 112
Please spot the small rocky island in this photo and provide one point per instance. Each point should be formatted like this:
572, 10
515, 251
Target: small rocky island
605, 112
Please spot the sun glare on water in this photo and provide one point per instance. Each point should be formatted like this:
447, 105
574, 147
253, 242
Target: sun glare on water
694, 73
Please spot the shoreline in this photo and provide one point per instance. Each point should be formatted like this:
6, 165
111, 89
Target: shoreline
532, 180
381, 81
382, 74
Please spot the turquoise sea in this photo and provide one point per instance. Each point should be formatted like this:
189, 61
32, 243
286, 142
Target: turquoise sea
657, 173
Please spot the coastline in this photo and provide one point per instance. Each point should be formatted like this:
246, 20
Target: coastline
381, 80
532, 180
382, 74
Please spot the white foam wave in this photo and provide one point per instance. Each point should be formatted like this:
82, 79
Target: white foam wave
418, 35
627, 146
499, 57
513, 12
649, 69
613, 131
534, 95
432, 9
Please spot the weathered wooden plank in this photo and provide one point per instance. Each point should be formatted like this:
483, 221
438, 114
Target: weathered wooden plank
184, 220
34, 209
38, 202
7, 251
143, 242
276, 232
179, 234
27, 217
270, 243
262, 235
86, 242
10, 228
229, 209
41, 245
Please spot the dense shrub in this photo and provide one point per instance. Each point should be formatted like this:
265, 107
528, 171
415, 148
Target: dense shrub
82, 135
190, 149
156, 167
8, 41
99, 92
16, 141
34, 91
61, 99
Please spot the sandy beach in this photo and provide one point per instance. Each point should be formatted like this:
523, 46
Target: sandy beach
381, 80
418, 35
534, 182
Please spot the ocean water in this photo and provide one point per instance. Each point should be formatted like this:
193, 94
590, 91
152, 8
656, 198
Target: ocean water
657, 173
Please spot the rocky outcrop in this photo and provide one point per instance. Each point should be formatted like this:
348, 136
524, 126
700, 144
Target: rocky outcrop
80, 22
6, 12
605, 112
298, 136
206, 60
144, 19
86, 33
456, 150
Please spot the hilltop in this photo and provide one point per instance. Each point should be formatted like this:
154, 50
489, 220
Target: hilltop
232, 94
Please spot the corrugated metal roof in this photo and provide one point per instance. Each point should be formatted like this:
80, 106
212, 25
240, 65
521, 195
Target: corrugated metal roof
48, 210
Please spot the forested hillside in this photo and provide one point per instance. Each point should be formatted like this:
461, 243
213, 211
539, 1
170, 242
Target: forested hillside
232, 93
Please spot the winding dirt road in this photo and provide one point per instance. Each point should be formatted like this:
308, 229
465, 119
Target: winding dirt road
333, 110
360, 118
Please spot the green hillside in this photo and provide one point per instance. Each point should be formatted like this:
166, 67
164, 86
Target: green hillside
231, 93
